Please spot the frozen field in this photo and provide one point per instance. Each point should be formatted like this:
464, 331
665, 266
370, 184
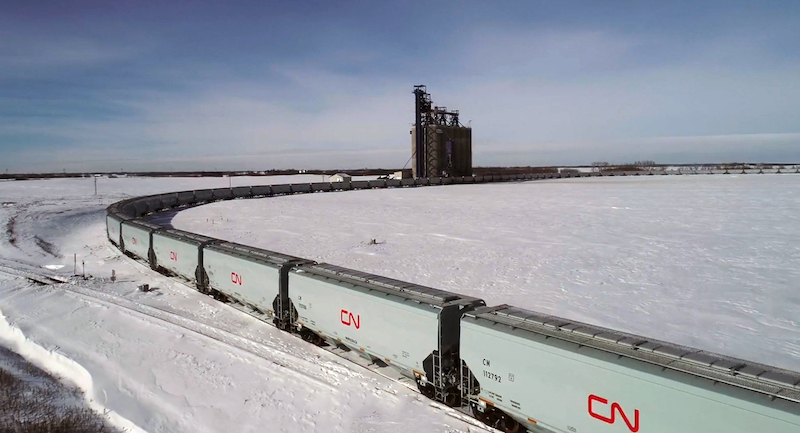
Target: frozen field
706, 261
171, 360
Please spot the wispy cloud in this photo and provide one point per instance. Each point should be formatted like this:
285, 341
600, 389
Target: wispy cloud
542, 86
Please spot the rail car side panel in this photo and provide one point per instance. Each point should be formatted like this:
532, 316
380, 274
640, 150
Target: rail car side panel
247, 281
569, 388
261, 190
176, 255
137, 240
113, 227
401, 333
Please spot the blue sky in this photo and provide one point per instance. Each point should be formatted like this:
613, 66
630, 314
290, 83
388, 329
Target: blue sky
91, 85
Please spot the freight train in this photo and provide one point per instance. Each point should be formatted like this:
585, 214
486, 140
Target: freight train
511, 368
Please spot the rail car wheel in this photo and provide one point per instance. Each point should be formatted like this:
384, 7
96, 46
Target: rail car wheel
481, 416
426, 389
507, 424
219, 296
282, 325
452, 397
311, 337
497, 419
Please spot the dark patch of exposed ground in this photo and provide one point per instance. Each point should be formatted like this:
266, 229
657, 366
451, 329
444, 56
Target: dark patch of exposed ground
47, 247
12, 236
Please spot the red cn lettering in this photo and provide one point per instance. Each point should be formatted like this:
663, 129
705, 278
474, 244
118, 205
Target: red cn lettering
348, 319
615, 408
236, 278
133, 241
173, 256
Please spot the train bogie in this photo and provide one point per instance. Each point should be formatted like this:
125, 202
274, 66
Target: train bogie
524, 368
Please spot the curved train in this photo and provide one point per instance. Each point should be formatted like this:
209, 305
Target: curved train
513, 369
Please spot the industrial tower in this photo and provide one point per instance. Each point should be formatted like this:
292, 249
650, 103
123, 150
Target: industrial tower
440, 145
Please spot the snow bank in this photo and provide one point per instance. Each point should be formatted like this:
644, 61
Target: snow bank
62, 367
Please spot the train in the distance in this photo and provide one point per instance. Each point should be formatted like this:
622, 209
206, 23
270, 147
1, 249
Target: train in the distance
513, 369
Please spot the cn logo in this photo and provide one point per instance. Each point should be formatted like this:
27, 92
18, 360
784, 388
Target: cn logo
349, 319
236, 278
133, 241
615, 409
173, 256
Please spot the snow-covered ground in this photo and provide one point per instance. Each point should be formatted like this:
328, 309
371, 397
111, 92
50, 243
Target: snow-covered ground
707, 261
171, 360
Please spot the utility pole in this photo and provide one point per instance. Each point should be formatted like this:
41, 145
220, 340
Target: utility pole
95, 185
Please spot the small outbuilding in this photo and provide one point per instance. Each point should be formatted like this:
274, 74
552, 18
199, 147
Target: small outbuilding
340, 177
402, 174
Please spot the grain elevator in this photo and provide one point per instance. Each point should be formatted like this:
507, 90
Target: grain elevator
440, 145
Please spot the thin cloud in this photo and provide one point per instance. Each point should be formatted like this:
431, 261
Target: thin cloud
551, 93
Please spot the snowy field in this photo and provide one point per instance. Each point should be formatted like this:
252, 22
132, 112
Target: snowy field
171, 360
711, 262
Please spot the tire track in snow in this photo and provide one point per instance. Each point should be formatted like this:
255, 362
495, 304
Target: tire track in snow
219, 335
248, 346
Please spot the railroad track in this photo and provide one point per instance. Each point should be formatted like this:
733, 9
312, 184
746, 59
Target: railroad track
228, 338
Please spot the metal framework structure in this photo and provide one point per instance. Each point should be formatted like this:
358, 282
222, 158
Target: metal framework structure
431, 126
